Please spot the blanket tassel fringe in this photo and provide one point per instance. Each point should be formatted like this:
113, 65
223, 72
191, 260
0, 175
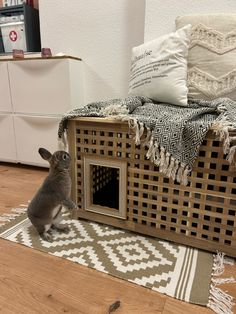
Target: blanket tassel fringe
222, 130
220, 301
169, 166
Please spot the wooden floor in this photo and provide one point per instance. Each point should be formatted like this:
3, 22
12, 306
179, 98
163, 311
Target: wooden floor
35, 282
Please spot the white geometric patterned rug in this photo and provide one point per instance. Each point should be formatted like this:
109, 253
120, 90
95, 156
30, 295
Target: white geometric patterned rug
181, 272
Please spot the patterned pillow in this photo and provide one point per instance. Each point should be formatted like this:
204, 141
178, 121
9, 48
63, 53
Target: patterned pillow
212, 55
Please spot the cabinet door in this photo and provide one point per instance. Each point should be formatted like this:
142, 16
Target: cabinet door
40, 86
7, 138
33, 132
5, 104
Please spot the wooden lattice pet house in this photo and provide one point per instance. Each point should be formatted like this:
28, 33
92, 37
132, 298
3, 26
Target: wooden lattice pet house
114, 183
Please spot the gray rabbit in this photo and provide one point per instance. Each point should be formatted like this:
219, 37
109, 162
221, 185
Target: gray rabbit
44, 211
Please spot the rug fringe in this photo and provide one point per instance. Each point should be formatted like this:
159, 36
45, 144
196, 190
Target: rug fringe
15, 212
220, 301
220, 260
220, 281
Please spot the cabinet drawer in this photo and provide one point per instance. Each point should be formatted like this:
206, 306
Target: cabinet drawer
4, 88
33, 132
7, 138
45, 86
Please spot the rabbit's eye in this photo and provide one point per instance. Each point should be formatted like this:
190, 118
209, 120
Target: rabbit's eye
64, 157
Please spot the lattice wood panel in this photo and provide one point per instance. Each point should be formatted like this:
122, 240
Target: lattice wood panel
203, 214
101, 176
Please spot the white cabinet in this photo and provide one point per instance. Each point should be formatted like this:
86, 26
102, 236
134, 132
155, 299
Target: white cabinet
35, 93
45, 86
5, 105
33, 132
7, 138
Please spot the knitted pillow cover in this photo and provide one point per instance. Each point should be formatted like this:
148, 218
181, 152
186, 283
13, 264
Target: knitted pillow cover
212, 55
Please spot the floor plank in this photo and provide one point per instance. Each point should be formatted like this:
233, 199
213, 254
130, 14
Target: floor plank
173, 306
56, 285
18, 184
35, 282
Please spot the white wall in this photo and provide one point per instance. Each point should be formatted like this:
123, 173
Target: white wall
102, 33
161, 14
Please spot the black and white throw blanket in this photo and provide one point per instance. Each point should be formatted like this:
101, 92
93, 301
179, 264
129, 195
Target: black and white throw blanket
174, 134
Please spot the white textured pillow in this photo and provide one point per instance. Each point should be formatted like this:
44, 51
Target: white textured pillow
159, 68
212, 55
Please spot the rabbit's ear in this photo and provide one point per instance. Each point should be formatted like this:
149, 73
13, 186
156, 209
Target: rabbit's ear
45, 154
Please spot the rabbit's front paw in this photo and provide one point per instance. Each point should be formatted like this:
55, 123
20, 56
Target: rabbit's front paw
69, 204
46, 237
61, 228
65, 229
